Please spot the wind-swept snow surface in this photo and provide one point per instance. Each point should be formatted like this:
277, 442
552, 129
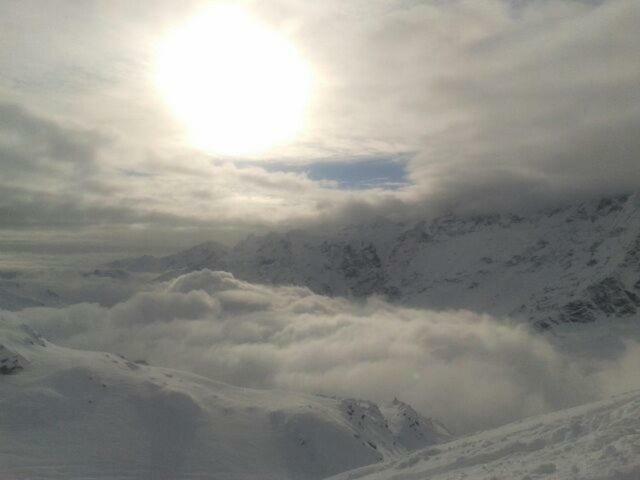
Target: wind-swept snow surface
598, 441
73, 414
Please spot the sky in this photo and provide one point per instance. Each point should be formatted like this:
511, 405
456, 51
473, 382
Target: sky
412, 108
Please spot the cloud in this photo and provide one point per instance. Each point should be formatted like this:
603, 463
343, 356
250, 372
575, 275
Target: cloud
58, 177
508, 105
471, 370
544, 111
151, 307
34, 149
502, 104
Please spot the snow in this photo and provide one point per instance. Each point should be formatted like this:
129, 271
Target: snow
410, 428
14, 301
572, 272
74, 414
10, 361
576, 264
599, 441
198, 257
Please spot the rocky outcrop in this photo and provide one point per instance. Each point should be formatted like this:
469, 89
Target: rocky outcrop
577, 264
10, 361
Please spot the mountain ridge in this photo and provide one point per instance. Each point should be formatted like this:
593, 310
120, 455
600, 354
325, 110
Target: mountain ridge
68, 413
596, 441
575, 264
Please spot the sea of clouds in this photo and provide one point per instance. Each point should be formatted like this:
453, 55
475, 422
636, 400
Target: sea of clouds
469, 370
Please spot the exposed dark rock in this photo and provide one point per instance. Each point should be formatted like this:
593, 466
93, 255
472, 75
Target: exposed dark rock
10, 362
577, 312
610, 297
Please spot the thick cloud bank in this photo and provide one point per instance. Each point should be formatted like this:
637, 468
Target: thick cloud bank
470, 370
491, 105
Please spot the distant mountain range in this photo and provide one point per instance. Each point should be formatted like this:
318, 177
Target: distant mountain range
578, 263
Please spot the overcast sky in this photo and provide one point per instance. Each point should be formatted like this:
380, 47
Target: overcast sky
417, 107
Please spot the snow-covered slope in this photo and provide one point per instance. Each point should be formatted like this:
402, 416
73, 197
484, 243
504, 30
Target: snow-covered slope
56, 287
599, 441
74, 414
579, 263
410, 428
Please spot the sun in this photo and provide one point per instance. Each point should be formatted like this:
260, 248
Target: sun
239, 87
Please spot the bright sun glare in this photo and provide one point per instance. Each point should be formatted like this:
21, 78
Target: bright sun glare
239, 87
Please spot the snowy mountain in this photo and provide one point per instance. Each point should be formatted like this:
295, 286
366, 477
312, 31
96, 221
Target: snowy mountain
201, 256
15, 301
410, 429
578, 263
75, 414
56, 287
599, 441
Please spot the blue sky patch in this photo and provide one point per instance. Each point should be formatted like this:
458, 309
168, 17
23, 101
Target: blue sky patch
355, 173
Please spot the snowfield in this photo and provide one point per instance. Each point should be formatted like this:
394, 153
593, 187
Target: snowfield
73, 414
598, 441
